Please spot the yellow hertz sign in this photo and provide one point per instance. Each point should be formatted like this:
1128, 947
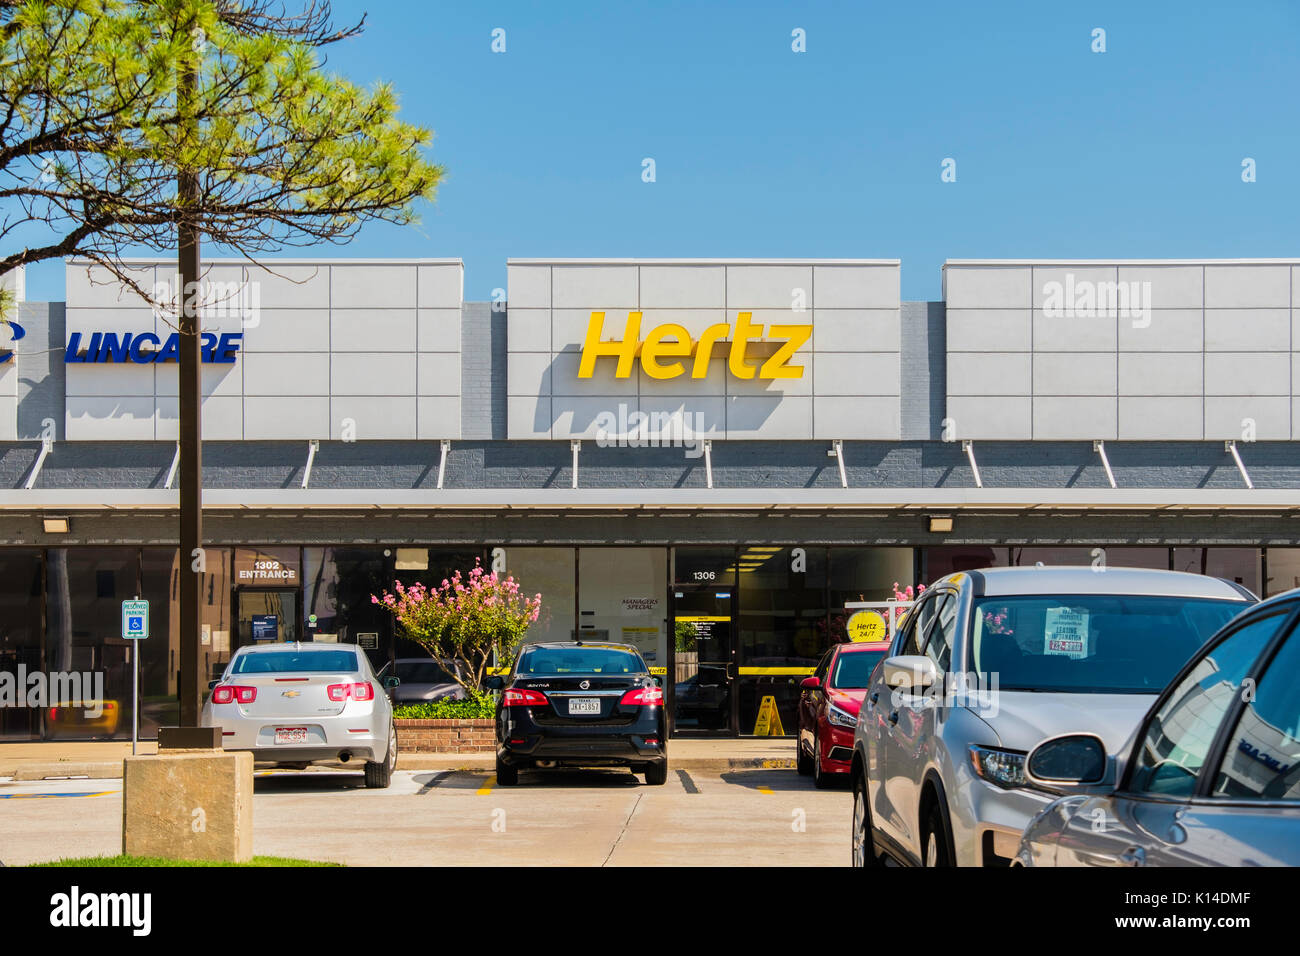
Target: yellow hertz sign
672, 341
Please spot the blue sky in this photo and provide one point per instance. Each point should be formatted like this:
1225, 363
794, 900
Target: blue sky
836, 152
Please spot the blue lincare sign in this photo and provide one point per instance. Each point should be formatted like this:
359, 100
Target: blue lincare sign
146, 348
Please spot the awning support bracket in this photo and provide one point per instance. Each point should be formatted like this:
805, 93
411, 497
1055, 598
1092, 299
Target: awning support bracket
313, 446
47, 445
176, 463
708, 462
1230, 446
968, 447
575, 446
444, 445
1100, 448
837, 449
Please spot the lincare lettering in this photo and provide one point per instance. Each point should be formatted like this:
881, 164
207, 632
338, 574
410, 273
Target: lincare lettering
144, 348
666, 346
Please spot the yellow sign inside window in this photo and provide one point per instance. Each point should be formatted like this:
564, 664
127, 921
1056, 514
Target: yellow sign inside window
667, 350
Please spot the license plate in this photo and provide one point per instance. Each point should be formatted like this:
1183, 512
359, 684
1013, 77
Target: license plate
290, 735
584, 705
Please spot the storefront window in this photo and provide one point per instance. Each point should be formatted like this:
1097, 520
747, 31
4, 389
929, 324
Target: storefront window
160, 654
1241, 565
338, 584
550, 572
1283, 570
939, 562
1096, 555
782, 627
622, 594
85, 588
865, 574
20, 639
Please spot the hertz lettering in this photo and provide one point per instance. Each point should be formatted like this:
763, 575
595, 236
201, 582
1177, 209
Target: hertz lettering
666, 348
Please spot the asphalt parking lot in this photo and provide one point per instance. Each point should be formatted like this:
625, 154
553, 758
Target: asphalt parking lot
457, 817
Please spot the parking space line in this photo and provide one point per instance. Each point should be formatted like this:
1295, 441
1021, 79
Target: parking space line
41, 796
687, 783
488, 784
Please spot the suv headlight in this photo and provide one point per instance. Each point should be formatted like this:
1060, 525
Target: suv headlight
840, 717
1002, 768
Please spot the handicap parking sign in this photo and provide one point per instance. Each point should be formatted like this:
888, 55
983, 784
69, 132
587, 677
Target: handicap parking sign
135, 620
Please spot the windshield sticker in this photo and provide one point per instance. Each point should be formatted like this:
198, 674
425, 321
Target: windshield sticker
1065, 632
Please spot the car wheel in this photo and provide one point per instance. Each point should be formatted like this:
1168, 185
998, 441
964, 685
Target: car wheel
938, 851
864, 852
656, 774
507, 776
801, 763
380, 775
821, 779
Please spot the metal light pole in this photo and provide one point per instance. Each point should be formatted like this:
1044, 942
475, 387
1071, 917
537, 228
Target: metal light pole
191, 445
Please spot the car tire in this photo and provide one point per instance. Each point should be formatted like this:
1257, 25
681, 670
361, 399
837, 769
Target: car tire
656, 774
507, 776
936, 846
821, 779
802, 763
862, 847
380, 775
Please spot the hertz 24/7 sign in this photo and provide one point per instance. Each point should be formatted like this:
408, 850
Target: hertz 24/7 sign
668, 349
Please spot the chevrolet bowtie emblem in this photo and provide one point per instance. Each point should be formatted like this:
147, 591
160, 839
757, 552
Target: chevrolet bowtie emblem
290, 693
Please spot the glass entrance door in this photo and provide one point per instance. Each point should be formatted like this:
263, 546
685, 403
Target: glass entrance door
265, 616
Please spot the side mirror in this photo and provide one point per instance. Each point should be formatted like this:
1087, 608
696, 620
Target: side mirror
914, 672
391, 682
494, 682
810, 683
213, 683
1072, 763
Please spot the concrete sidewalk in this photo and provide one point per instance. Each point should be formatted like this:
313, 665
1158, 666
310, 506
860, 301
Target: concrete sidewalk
46, 760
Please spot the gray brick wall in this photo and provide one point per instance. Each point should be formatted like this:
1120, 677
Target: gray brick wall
924, 370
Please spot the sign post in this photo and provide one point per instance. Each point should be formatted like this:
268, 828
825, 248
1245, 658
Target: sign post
135, 627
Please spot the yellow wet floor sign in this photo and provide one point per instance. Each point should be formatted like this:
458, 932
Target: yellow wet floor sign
768, 723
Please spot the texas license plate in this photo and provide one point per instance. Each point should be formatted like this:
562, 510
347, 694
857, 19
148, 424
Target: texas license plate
290, 735
584, 705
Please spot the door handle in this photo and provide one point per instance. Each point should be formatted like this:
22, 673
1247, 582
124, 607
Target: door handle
1133, 856
893, 718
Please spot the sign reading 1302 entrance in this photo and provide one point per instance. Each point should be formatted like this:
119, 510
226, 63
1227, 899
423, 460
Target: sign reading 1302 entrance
135, 620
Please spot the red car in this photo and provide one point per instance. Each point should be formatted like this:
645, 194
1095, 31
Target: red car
828, 709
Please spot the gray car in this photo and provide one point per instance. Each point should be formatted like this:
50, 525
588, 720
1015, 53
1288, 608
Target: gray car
293, 705
425, 679
1211, 776
985, 666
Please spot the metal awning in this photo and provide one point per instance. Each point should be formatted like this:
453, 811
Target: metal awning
694, 499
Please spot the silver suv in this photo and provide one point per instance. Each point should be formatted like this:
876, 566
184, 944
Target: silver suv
989, 663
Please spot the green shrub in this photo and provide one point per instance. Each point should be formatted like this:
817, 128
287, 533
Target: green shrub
474, 708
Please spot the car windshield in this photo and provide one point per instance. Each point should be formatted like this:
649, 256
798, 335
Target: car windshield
1090, 643
294, 662
580, 660
853, 669
423, 672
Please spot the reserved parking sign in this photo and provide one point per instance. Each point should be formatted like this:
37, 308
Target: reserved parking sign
135, 620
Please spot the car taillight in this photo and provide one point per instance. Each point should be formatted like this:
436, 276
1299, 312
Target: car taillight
229, 693
523, 697
340, 692
54, 713
643, 696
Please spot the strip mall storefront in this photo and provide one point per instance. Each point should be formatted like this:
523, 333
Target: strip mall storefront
706, 459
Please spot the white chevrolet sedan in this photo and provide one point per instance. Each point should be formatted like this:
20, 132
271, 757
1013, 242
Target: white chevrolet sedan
292, 705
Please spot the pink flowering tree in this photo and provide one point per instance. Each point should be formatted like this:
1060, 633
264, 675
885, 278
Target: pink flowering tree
465, 619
